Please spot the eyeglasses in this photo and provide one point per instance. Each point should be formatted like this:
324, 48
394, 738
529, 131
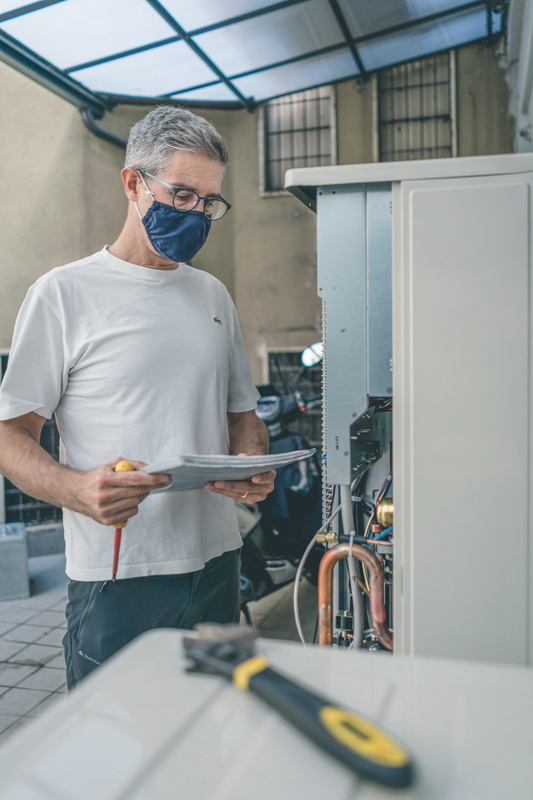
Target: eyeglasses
187, 200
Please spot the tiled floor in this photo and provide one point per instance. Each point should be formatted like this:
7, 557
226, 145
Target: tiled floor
32, 666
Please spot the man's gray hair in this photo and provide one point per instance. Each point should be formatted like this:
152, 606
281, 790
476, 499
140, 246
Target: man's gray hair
167, 129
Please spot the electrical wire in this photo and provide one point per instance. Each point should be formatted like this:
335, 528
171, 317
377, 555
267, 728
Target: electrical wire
382, 493
299, 573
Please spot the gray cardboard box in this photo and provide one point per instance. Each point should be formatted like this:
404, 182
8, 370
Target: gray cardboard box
14, 579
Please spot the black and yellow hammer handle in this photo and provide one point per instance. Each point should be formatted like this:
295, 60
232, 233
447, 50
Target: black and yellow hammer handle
355, 741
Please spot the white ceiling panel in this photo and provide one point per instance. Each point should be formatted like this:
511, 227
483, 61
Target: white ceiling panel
154, 72
270, 38
77, 31
426, 38
368, 17
298, 76
218, 92
12, 5
195, 14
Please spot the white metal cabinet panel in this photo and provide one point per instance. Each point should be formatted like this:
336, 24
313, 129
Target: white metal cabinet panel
141, 728
461, 355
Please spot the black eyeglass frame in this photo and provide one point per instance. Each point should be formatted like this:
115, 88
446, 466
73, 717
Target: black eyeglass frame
176, 189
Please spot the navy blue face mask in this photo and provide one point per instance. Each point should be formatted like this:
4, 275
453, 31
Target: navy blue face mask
176, 235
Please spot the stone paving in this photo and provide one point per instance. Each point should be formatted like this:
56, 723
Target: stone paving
32, 665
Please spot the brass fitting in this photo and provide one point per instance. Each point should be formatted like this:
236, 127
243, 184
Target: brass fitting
385, 512
326, 538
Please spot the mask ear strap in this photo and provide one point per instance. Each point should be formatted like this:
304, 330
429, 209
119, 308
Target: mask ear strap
146, 191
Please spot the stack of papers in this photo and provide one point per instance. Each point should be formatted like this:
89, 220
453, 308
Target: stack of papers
193, 472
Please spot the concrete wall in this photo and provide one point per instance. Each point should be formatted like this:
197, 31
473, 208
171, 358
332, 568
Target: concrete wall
61, 196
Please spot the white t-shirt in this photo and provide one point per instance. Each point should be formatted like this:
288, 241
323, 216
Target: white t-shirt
144, 364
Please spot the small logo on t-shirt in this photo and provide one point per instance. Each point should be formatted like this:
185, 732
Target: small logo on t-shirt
216, 319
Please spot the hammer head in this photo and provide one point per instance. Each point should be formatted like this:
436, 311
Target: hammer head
219, 648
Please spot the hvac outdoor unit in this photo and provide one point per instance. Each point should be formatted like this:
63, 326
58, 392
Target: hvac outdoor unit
424, 268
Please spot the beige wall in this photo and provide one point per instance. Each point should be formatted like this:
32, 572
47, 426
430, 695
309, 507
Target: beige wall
483, 123
61, 196
50, 210
274, 261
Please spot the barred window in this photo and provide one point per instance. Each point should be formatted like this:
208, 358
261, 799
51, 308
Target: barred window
416, 113
15, 506
297, 130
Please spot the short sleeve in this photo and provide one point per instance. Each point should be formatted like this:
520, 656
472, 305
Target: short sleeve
242, 394
37, 370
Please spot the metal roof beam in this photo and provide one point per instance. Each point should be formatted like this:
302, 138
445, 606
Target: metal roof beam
247, 102
347, 35
19, 12
131, 100
322, 52
125, 53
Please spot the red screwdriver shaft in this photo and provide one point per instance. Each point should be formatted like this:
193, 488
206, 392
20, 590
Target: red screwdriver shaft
122, 466
116, 552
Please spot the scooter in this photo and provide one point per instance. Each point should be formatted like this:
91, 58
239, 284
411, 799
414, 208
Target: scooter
276, 531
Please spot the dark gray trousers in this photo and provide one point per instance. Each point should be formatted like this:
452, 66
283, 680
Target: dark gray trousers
104, 616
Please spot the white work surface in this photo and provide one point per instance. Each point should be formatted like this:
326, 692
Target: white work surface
140, 728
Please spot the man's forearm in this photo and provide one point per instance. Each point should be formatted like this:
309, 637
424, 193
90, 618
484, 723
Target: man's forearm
247, 434
106, 496
24, 462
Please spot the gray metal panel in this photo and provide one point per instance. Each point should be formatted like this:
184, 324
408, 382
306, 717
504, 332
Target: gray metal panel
379, 287
342, 285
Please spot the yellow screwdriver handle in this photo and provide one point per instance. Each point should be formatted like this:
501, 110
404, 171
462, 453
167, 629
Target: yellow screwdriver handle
123, 466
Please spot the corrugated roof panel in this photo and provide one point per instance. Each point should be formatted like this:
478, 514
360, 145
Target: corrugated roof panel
195, 14
161, 70
423, 39
271, 38
77, 31
298, 75
369, 17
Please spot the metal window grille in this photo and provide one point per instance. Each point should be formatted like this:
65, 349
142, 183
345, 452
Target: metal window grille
298, 132
20, 507
283, 370
415, 109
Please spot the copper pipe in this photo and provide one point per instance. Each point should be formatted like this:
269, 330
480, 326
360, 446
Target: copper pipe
325, 592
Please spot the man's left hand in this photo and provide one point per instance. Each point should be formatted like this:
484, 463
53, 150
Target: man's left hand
253, 491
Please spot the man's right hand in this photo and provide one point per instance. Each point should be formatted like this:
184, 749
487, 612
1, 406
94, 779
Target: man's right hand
111, 497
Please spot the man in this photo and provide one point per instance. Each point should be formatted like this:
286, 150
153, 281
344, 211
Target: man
140, 357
